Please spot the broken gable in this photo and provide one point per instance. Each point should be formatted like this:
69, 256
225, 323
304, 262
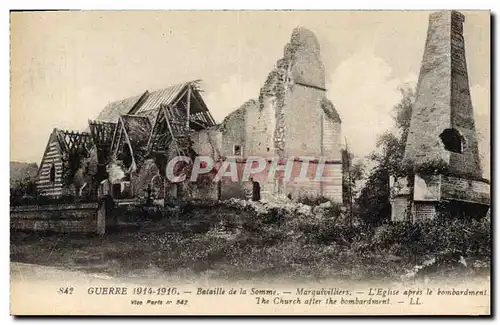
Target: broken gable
64, 156
102, 136
181, 111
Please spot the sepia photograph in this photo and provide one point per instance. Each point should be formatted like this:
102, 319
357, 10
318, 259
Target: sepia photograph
250, 162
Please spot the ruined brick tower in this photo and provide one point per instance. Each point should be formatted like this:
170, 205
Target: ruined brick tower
441, 153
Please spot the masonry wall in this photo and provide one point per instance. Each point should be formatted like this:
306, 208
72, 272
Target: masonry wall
233, 133
399, 208
473, 191
303, 121
66, 218
332, 189
317, 183
332, 139
466, 164
205, 191
208, 142
307, 66
424, 211
260, 125
236, 188
310, 133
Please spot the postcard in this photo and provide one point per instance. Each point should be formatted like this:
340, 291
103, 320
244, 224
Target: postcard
250, 163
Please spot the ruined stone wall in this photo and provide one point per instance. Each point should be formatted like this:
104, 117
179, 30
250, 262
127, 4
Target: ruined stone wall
292, 117
332, 189
312, 133
218, 143
233, 132
304, 51
66, 218
448, 172
259, 128
310, 122
332, 139
330, 186
235, 189
455, 188
208, 142
399, 208
424, 211
303, 122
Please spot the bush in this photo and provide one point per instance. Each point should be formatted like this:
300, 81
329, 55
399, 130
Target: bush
335, 211
312, 200
467, 238
274, 216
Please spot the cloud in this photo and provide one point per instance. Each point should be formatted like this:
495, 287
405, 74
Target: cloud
364, 92
230, 96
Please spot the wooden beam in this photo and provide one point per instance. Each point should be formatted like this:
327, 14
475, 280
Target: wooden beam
188, 106
127, 140
174, 103
198, 123
162, 107
151, 134
205, 110
119, 136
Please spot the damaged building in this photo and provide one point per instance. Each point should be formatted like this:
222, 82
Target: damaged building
290, 119
60, 172
127, 147
441, 156
149, 131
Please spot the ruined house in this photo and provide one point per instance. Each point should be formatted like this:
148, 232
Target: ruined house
291, 120
150, 130
441, 155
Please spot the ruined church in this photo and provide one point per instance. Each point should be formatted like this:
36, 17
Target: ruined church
126, 148
441, 156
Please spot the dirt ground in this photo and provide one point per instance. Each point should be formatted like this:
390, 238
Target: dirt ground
207, 254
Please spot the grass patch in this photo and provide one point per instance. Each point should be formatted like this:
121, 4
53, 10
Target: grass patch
241, 243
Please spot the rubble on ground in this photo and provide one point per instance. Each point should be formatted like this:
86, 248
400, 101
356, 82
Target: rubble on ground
282, 204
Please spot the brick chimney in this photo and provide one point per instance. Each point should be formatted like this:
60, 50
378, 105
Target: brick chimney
442, 131
441, 153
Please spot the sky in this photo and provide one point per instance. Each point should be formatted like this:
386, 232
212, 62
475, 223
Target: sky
67, 66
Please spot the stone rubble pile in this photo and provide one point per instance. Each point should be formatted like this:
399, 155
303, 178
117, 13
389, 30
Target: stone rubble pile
285, 205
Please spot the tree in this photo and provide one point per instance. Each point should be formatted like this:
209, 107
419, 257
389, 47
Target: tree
352, 173
373, 202
373, 206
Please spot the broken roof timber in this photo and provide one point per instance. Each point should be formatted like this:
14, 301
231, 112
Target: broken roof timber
71, 140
